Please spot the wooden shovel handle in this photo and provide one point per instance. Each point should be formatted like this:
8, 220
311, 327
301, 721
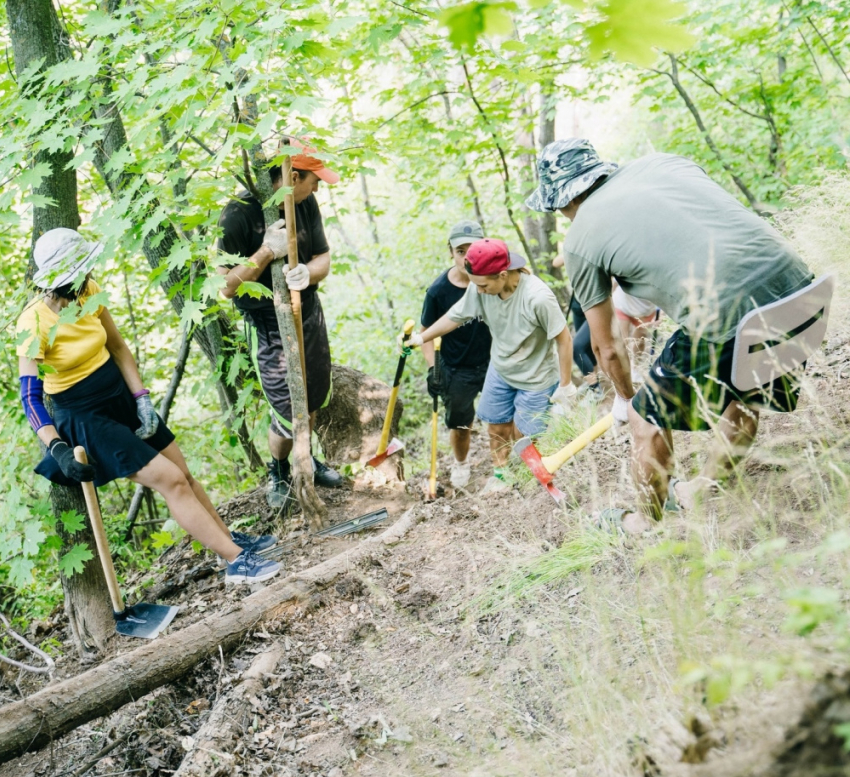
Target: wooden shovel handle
93, 508
292, 258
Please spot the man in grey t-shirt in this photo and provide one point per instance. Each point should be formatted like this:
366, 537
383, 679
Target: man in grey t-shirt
667, 233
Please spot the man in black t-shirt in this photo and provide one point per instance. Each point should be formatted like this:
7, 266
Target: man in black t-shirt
245, 234
464, 353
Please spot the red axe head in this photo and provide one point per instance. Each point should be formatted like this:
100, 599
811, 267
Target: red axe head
525, 449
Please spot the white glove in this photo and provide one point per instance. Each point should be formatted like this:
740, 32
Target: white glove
298, 278
275, 239
564, 396
620, 410
414, 341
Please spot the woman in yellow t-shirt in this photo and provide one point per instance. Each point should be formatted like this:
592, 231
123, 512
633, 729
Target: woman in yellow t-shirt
67, 335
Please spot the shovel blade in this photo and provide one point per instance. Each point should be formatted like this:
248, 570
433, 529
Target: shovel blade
394, 447
144, 621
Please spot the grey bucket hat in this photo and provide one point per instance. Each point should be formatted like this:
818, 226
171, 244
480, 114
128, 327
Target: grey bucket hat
61, 255
465, 232
566, 168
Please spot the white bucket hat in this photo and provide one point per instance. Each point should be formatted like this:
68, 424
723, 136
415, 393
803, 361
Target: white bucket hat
61, 256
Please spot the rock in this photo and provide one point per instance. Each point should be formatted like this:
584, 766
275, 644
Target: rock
321, 660
441, 760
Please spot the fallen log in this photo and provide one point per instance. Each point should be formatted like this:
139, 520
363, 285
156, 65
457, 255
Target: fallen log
59, 708
211, 754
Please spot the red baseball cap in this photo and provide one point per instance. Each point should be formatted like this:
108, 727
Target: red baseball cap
490, 257
307, 162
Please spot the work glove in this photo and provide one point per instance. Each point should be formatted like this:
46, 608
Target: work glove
433, 384
414, 341
147, 415
620, 410
71, 468
275, 239
563, 398
298, 278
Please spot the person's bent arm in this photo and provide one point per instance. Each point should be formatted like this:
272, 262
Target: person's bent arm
564, 344
319, 267
610, 355
32, 397
428, 351
250, 271
439, 328
121, 353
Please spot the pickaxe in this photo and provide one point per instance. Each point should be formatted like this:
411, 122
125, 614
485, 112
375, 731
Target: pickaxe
544, 467
386, 448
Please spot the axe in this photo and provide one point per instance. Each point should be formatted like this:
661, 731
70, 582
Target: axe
387, 447
543, 467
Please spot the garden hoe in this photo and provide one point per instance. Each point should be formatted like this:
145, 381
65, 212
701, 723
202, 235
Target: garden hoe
432, 481
141, 620
395, 445
544, 467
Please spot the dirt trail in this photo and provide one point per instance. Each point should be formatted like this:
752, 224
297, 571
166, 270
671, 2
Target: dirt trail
412, 664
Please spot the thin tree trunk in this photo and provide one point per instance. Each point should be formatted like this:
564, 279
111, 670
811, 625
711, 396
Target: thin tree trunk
673, 75
35, 34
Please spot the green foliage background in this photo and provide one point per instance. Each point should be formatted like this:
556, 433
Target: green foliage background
430, 115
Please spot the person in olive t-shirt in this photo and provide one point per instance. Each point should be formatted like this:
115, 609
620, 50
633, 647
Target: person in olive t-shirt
245, 234
670, 235
464, 353
525, 375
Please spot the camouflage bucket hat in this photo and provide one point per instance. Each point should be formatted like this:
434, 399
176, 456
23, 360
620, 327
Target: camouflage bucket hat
566, 168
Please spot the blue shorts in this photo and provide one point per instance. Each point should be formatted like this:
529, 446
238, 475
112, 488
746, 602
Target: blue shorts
500, 404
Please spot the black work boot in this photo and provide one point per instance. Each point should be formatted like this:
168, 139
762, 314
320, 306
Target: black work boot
279, 493
326, 477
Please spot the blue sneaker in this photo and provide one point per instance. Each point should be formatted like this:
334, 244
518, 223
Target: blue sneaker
254, 543
248, 567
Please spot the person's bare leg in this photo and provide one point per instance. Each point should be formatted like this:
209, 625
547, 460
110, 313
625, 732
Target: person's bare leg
280, 447
502, 437
459, 440
652, 458
734, 434
164, 476
174, 454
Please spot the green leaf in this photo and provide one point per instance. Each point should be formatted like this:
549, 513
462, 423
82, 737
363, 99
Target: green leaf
254, 290
73, 562
469, 21
162, 539
72, 521
632, 29
192, 311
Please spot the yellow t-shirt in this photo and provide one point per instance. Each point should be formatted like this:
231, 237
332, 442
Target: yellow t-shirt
75, 350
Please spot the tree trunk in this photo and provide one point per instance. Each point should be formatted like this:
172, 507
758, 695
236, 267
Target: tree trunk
44, 716
35, 33
213, 744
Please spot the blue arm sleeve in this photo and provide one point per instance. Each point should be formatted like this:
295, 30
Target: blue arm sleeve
32, 398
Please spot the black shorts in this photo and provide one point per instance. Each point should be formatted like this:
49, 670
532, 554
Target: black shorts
269, 360
99, 413
690, 385
458, 388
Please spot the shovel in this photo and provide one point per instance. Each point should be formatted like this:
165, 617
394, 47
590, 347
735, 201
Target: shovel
544, 467
395, 445
432, 481
143, 620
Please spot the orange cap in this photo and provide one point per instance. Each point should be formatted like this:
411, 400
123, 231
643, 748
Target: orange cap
306, 161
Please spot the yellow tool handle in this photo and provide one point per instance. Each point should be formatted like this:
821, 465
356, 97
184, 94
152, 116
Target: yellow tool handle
408, 328
557, 460
388, 422
100, 535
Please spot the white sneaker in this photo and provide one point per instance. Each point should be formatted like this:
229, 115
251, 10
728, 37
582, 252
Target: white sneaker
494, 485
460, 474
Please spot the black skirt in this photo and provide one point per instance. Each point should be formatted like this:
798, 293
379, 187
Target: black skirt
99, 413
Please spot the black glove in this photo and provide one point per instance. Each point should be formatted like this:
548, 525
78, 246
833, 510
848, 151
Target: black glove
71, 468
433, 384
